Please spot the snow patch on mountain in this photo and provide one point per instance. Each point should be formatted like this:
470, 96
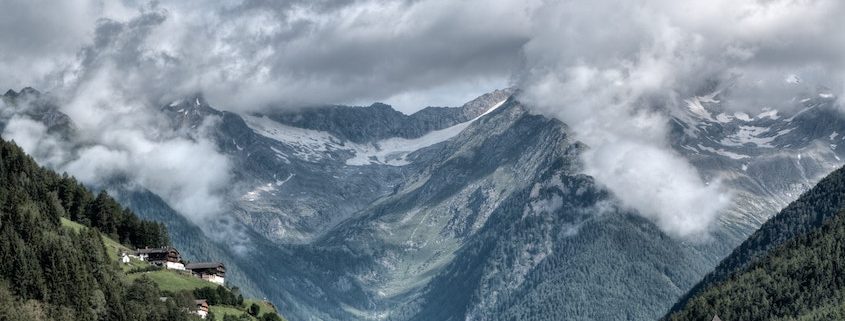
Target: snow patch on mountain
768, 113
269, 188
314, 145
742, 116
759, 136
308, 144
392, 151
695, 106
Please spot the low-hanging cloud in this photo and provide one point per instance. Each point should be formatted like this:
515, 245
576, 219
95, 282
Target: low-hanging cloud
612, 69
609, 68
130, 142
118, 131
118, 62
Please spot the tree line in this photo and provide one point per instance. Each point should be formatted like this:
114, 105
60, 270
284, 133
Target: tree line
48, 272
791, 268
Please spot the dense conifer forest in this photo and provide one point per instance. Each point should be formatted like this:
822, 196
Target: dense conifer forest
802, 280
51, 272
792, 268
48, 272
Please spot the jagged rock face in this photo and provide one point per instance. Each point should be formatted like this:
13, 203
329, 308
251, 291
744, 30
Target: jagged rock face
480, 212
189, 113
767, 160
32, 104
487, 218
389, 248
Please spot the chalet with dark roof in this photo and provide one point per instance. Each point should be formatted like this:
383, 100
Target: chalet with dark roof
167, 257
209, 271
202, 308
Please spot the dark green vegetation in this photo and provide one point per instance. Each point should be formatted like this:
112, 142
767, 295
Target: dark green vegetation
48, 272
219, 296
188, 238
226, 304
52, 268
62, 196
792, 268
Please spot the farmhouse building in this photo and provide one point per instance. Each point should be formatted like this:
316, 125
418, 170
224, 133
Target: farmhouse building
202, 308
166, 257
209, 271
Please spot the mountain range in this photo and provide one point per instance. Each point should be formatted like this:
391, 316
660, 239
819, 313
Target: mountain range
478, 212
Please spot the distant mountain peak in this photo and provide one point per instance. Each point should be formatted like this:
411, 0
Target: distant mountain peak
379, 105
26, 91
41, 107
380, 121
29, 91
480, 105
189, 111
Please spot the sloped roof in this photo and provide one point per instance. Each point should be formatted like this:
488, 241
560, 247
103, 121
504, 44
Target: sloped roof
157, 250
716, 318
204, 265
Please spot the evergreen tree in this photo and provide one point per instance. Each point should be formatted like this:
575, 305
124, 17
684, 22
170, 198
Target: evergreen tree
792, 268
49, 272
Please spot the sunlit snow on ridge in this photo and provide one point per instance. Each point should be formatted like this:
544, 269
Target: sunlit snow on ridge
392, 151
314, 145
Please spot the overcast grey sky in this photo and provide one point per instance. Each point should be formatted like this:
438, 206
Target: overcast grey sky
599, 66
252, 54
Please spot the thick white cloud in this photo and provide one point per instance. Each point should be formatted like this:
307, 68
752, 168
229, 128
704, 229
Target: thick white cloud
611, 69
32, 136
189, 175
118, 137
255, 54
608, 68
40, 37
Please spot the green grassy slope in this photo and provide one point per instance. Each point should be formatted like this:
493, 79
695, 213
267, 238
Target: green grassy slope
113, 248
221, 311
171, 280
54, 269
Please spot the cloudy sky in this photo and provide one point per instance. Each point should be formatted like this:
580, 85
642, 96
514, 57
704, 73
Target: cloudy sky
600, 66
251, 54
254, 54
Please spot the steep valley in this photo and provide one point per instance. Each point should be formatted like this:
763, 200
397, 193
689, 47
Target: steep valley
479, 212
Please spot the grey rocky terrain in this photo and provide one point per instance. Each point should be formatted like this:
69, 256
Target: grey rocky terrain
479, 212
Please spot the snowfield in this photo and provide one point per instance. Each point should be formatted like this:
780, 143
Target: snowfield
315, 145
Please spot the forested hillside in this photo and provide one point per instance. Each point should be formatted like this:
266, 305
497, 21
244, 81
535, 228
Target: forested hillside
791, 268
802, 280
48, 272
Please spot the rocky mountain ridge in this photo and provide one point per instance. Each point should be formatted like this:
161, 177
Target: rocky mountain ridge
481, 212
